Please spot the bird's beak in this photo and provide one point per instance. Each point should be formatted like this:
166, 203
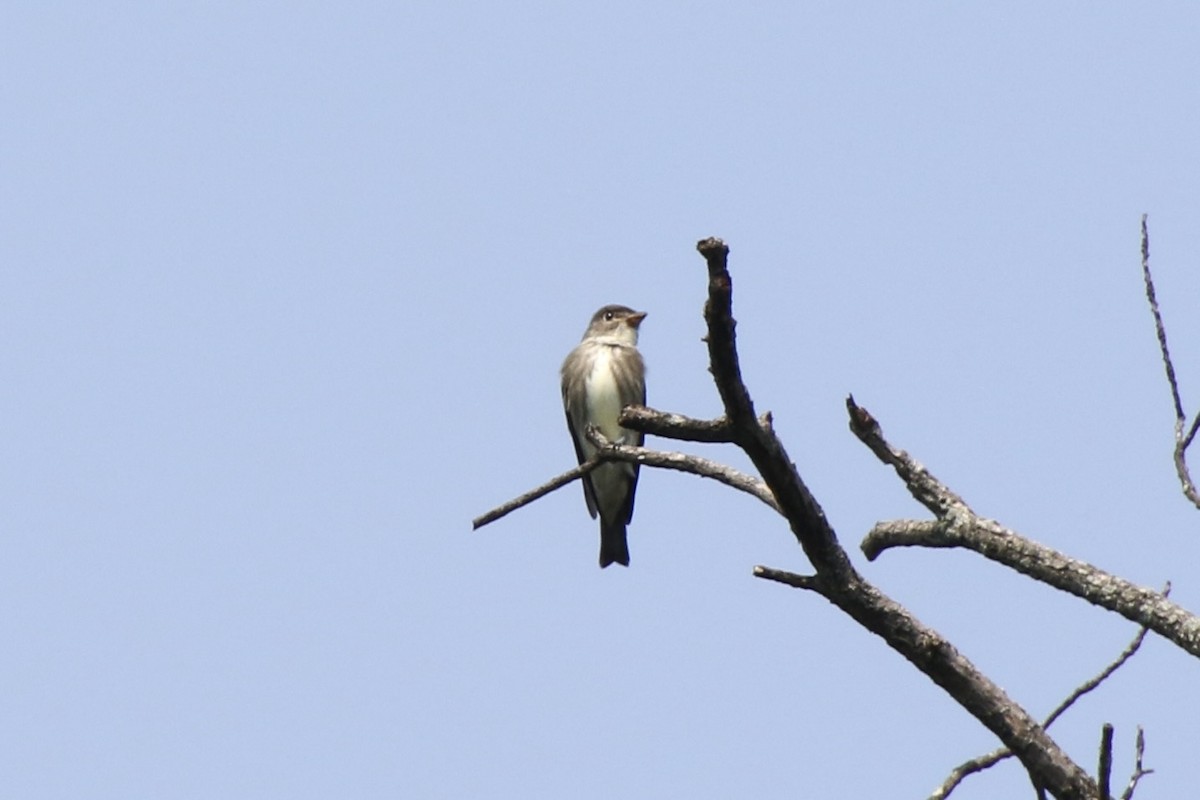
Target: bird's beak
634, 320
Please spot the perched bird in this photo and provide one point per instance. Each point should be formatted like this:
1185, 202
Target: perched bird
600, 377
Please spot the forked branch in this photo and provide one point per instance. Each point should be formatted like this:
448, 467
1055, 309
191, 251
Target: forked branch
834, 576
838, 581
957, 525
988, 760
1183, 438
680, 462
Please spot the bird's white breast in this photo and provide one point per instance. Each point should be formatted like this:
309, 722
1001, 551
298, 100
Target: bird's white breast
603, 396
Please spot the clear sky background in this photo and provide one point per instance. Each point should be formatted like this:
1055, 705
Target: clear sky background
284, 291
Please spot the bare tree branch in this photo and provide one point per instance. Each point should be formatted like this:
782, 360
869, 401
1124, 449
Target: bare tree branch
533, 494
1182, 441
1138, 771
1104, 770
1191, 434
1047, 764
988, 760
676, 426
681, 462
1104, 674
1181, 465
1159, 328
967, 768
834, 576
922, 485
958, 526
993, 541
810, 582
807, 519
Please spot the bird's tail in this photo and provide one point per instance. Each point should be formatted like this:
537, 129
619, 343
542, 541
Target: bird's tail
614, 548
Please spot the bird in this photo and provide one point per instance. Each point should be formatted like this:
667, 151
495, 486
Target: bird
601, 376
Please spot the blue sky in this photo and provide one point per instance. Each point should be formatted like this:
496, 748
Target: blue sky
284, 293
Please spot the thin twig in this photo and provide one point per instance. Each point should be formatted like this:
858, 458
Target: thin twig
811, 582
969, 767
1191, 434
1182, 440
1159, 328
988, 760
533, 494
1138, 771
1088, 686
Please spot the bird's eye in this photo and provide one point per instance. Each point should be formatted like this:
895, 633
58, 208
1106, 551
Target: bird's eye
608, 316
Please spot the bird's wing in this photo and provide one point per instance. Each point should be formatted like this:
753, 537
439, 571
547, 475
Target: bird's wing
639, 439
589, 491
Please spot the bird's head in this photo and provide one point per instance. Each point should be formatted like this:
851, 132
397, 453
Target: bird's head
616, 322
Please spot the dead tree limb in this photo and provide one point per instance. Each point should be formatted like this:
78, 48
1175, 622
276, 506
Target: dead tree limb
1138, 771
958, 526
1183, 439
1104, 769
840, 583
681, 462
988, 760
834, 577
